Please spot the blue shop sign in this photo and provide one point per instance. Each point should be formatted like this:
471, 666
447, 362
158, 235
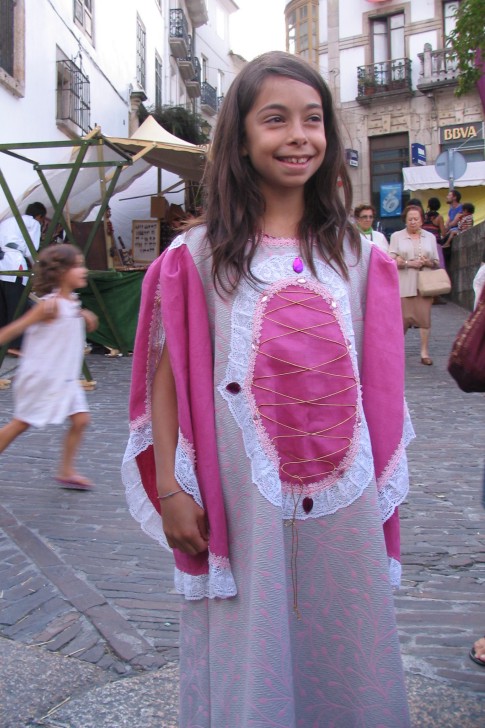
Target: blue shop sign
391, 200
418, 154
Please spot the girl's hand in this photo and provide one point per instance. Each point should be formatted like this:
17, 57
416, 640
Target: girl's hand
42, 311
90, 319
47, 309
185, 524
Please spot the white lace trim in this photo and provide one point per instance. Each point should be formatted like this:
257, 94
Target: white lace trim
140, 439
218, 583
185, 469
138, 502
393, 485
395, 571
265, 472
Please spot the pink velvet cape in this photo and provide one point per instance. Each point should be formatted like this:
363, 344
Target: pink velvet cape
173, 293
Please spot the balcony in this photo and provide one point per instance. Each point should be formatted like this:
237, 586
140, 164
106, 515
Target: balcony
438, 69
179, 38
193, 84
186, 66
197, 10
384, 79
208, 99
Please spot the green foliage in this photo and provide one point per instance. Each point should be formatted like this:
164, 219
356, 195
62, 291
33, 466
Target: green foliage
468, 40
178, 120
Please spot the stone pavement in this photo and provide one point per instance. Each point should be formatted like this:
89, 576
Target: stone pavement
88, 616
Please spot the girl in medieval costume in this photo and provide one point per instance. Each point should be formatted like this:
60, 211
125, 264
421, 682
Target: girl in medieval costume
268, 425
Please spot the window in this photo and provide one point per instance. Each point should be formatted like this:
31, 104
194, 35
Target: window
204, 69
388, 155
140, 53
7, 8
220, 83
449, 19
220, 22
158, 81
12, 45
388, 38
302, 31
83, 16
388, 50
72, 96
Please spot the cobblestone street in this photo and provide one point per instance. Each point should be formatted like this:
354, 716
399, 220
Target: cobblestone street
78, 578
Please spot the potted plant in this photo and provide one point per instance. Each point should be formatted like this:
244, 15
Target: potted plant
369, 85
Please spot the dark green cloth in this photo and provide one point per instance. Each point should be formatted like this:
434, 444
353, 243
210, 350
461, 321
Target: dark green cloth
120, 292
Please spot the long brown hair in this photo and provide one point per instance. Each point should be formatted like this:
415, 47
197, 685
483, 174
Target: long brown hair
53, 262
234, 203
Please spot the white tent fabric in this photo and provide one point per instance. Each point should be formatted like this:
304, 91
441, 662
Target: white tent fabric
134, 202
426, 178
163, 150
86, 192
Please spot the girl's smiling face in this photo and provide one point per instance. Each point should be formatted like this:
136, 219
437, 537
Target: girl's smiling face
285, 134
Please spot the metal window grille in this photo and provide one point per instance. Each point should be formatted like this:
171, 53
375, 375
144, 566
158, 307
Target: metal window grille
7, 35
158, 82
73, 95
140, 53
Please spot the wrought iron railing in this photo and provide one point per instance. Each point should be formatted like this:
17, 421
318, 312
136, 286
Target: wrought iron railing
73, 97
198, 71
378, 78
208, 96
178, 26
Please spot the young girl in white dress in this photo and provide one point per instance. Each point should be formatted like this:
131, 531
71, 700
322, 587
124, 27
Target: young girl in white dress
46, 385
268, 427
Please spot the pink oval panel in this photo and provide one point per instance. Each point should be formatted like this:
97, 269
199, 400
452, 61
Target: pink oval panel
304, 387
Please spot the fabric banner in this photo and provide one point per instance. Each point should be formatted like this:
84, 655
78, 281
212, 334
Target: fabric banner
120, 291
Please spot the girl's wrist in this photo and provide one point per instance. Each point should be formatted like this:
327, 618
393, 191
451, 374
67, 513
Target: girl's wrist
170, 494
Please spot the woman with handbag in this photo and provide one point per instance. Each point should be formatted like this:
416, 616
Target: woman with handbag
415, 250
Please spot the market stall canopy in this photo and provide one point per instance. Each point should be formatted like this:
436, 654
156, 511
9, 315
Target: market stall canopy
151, 145
426, 178
86, 191
164, 150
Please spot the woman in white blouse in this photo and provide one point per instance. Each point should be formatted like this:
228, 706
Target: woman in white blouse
413, 249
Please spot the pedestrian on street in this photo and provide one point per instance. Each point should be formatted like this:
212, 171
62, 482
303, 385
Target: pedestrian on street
16, 255
46, 385
364, 217
414, 249
268, 426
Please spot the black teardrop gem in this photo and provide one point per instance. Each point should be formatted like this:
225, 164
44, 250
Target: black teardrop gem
307, 504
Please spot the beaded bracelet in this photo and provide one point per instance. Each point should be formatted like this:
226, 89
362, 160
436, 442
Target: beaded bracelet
169, 495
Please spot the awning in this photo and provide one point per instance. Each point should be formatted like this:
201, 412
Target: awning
425, 178
161, 149
151, 145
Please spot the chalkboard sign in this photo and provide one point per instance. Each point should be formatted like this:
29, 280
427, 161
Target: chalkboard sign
146, 240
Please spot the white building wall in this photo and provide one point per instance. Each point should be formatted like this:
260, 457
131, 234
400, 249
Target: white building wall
323, 21
422, 10
109, 60
350, 59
